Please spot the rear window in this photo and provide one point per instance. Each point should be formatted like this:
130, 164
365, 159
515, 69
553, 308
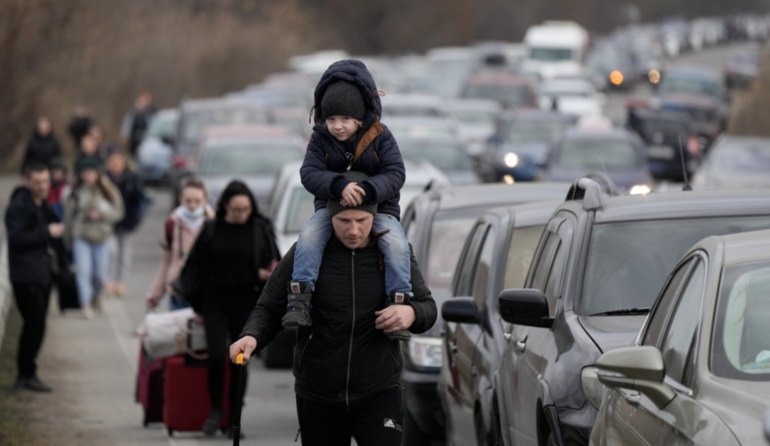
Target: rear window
651, 127
534, 131
445, 156
550, 54
597, 154
247, 159
628, 262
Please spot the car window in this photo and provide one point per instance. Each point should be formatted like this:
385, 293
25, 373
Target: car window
534, 131
678, 343
447, 239
484, 268
468, 262
520, 253
663, 307
301, 208
555, 283
544, 262
741, 338
598, 153
445, 156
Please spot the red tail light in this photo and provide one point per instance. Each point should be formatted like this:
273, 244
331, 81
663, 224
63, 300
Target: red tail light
693, 146
180, 162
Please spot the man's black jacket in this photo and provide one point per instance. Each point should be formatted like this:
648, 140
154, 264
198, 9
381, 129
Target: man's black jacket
342, 358
28, 239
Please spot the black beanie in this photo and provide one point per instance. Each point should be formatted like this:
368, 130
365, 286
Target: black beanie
343, 99
334, 207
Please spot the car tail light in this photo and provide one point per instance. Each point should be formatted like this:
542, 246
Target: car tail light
180, 162
693, 146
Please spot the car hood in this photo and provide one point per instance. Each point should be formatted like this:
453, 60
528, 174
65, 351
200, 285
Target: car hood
611, 332
624, 179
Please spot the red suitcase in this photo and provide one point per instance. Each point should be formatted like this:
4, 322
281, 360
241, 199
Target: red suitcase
186, 397
149, 388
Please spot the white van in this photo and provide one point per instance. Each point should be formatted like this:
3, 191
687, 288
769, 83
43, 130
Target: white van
555, 49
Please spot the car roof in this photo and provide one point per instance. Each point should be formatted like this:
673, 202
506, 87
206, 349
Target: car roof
498, 79
688, 99
614, 133
488, 195
441, 121
746, 247
699, 73
412, 99
219, 103
439, 139
247, 131
537, 115
473, 104
671, 115
689, 204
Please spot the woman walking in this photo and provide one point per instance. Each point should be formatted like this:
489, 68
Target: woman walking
43, 147
228, 266
179, 234
91, 211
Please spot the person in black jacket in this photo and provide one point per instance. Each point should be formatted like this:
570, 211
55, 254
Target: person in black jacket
346, 368
228, 265
79, 125
33, 232
136, 202
43, 147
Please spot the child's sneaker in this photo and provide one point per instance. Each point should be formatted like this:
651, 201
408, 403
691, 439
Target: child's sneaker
298, 309
397, 298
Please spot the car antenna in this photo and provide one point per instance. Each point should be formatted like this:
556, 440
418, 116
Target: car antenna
687, 185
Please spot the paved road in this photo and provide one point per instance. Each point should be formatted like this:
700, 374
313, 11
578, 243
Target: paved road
92, 364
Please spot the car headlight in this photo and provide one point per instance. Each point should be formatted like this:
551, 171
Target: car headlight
425, 352
511, 159
639, 189
592, 388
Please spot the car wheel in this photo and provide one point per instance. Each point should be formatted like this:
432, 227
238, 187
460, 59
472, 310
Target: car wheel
413, 435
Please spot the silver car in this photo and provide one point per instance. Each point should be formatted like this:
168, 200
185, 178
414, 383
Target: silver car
699, 371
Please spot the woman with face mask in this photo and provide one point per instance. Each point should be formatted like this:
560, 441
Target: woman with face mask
179, 234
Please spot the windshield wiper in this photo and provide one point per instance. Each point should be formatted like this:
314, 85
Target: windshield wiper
628, 312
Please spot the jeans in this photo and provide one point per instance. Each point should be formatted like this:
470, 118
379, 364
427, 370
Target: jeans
378, 421
91, 265
32, 300
120, 257
395, 250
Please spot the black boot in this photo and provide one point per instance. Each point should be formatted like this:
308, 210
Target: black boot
32, 383
213, 422
397, 298
298, 309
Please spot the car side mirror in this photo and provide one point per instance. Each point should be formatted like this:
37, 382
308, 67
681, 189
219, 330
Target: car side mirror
525, 306
461, 309
637, 368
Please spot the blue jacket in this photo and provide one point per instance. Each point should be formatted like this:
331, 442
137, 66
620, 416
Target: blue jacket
376, 151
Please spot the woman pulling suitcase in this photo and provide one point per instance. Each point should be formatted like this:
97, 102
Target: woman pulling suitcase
229, 264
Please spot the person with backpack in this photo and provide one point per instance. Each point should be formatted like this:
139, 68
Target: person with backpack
136, 203
347, 368
348, 136
92, 209
180, 231
229, 263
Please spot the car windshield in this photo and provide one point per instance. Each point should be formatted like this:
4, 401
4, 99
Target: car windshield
195, 122
447, 239
550, 54
629, 261
475, 116
740, 158
445, 156
534, 131
301, 208
670, 85
741, 339
511, 95
247, 159
162, 126
597, 154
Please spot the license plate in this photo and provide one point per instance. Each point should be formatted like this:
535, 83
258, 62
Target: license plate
665, 152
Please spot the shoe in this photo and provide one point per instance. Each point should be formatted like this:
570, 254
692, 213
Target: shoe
33, 384
298, 309
120, 290
213, 421
88, 312
397, 298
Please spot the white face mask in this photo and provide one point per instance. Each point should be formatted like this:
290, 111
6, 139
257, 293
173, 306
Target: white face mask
197, 213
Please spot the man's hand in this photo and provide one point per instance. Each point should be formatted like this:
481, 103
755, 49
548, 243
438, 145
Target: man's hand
352, 195
265, 274
56, 230
245, 345
394, 318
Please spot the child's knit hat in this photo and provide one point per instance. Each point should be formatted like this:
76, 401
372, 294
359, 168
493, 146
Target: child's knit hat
343, 99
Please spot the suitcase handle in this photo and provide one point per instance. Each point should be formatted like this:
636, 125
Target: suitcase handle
239, 359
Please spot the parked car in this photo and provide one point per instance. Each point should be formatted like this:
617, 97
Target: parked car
708, 117
618, 153
520, 145
410, 126
496, 256
155, 152
735, 162
595, 275
475, 121
672, 142
447, 154
436, 225
571, 96
253, 154
741, 69
412, 105
291, 205
510, 90
692, 81
699, 371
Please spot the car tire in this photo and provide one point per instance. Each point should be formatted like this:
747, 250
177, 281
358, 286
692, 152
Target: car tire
413, 435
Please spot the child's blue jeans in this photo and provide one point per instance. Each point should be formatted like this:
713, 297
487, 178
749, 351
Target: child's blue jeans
395, 250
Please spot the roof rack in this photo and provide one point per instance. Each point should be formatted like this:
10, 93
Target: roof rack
587, 190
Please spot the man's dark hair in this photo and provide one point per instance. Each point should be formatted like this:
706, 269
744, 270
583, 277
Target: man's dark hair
233, 189
33, 167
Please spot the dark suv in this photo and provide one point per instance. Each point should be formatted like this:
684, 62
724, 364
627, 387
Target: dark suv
437, 224
596, 273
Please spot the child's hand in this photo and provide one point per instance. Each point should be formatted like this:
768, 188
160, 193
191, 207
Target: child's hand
352, 195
